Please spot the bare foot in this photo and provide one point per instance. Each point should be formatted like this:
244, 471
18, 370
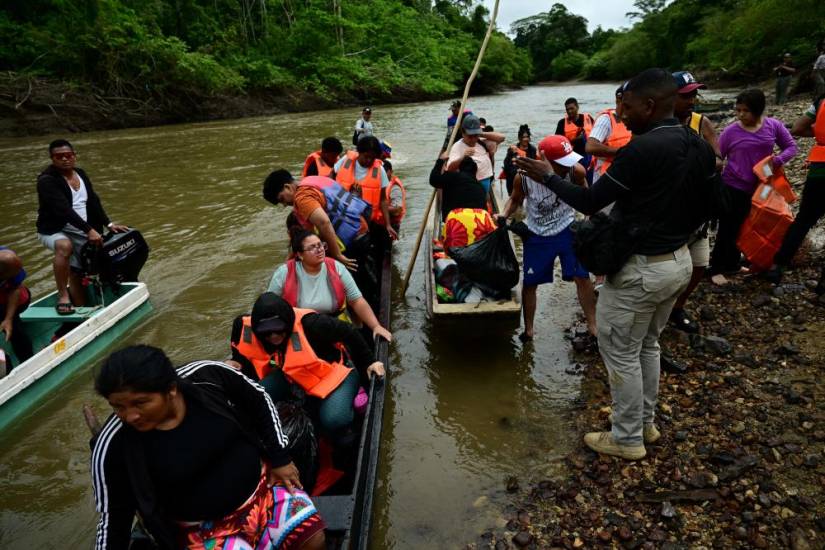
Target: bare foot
719, 280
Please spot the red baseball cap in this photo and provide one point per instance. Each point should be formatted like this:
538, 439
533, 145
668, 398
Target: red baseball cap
558, 149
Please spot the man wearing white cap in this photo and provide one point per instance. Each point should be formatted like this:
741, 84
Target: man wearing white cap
549, 220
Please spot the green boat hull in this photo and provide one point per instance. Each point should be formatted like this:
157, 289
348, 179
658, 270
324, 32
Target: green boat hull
40, 378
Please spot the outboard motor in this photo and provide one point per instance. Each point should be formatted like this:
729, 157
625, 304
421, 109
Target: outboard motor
119, 260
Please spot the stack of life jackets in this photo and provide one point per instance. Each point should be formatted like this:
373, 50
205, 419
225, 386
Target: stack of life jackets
343, 208
770, 217
301, 365
369, 188
618, 138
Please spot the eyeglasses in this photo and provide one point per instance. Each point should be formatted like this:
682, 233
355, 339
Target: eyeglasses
317, 247
63, 156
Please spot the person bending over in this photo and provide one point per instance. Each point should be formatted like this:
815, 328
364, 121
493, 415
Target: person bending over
198, 452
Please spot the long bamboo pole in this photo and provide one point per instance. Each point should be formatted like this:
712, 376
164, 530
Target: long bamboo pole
472, 77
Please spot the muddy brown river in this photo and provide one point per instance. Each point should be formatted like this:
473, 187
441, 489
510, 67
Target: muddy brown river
469, 404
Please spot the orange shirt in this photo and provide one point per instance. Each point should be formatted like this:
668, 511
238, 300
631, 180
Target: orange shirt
308, 199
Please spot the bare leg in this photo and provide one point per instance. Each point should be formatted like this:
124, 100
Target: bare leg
695, 279
528, 304
76, 289
587, 298
62, 253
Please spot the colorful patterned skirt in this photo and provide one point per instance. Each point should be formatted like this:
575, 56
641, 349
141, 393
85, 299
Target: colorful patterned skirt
270, 519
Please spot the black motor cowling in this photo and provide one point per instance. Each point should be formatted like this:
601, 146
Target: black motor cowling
119, 260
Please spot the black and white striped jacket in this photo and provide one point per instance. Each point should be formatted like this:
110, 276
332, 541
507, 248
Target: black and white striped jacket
122, 485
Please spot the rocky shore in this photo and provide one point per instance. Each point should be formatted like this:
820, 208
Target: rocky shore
740, 463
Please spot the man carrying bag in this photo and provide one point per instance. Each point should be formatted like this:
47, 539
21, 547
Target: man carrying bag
653, 181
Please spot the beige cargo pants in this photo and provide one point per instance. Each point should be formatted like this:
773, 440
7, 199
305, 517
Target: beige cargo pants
632, 311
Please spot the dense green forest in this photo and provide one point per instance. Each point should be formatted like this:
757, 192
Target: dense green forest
355, 49
739, 39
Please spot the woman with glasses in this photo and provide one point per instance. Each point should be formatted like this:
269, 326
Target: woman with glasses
311, 280
289, 349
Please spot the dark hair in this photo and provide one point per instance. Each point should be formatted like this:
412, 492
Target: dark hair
138, 368
754, 98
620, 90
653, 83
296, 239
570, 100
387, 165
482, 120
369, 143
468, 165
332, 145
56, 144
274, 184
524, 130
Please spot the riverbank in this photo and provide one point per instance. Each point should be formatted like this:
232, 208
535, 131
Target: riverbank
31, 106
740, 462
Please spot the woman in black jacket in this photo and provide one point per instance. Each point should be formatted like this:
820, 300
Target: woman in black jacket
69, 214
199, 453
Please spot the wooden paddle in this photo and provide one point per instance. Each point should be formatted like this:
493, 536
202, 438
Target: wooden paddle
472, 77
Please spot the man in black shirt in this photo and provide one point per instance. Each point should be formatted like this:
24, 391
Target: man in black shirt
784, 73
646, 183
458, 189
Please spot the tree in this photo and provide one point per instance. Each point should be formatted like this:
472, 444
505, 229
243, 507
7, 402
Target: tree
548, 35
646, 7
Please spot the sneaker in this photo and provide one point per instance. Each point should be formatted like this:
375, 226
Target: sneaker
774, 274
666, 364
602, 442
682, 322
650, 433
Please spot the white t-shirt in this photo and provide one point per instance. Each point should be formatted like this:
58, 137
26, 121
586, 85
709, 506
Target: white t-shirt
547, 215
79, 200
361, 172
365, 125
484, 168
601, 131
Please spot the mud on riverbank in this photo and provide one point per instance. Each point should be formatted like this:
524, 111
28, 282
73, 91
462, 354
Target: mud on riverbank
740, 463
35, 106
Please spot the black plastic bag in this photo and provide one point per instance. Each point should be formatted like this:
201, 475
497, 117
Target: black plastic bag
303, 446
490, 261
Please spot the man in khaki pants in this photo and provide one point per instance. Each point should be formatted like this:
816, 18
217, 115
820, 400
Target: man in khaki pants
645, 181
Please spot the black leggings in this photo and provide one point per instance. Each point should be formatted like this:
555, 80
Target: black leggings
811, 209
725, 255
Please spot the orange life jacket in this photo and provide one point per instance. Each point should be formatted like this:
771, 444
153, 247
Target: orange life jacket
369, 188
571, 130
300, 364
323, 168
250, 347
397, 182
317, 377
818, 150
336, 285
618, 138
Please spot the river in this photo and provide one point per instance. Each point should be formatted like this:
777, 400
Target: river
468, 406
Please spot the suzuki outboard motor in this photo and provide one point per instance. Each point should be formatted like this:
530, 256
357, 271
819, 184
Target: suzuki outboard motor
119, 260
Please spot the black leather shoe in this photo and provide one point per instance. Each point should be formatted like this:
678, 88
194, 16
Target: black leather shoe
668, 365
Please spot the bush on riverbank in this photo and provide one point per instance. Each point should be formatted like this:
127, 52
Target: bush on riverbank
178, 53
741, 39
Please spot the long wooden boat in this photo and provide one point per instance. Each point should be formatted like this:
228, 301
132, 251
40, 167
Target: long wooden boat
438, 310
111, 312
348, 511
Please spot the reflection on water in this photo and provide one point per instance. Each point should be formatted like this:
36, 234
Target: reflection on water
469, 404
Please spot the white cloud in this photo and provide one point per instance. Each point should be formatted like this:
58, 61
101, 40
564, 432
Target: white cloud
610, 14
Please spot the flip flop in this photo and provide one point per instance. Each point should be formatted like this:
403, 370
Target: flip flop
64, 308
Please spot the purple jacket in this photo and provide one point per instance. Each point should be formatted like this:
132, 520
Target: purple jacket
743, 149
